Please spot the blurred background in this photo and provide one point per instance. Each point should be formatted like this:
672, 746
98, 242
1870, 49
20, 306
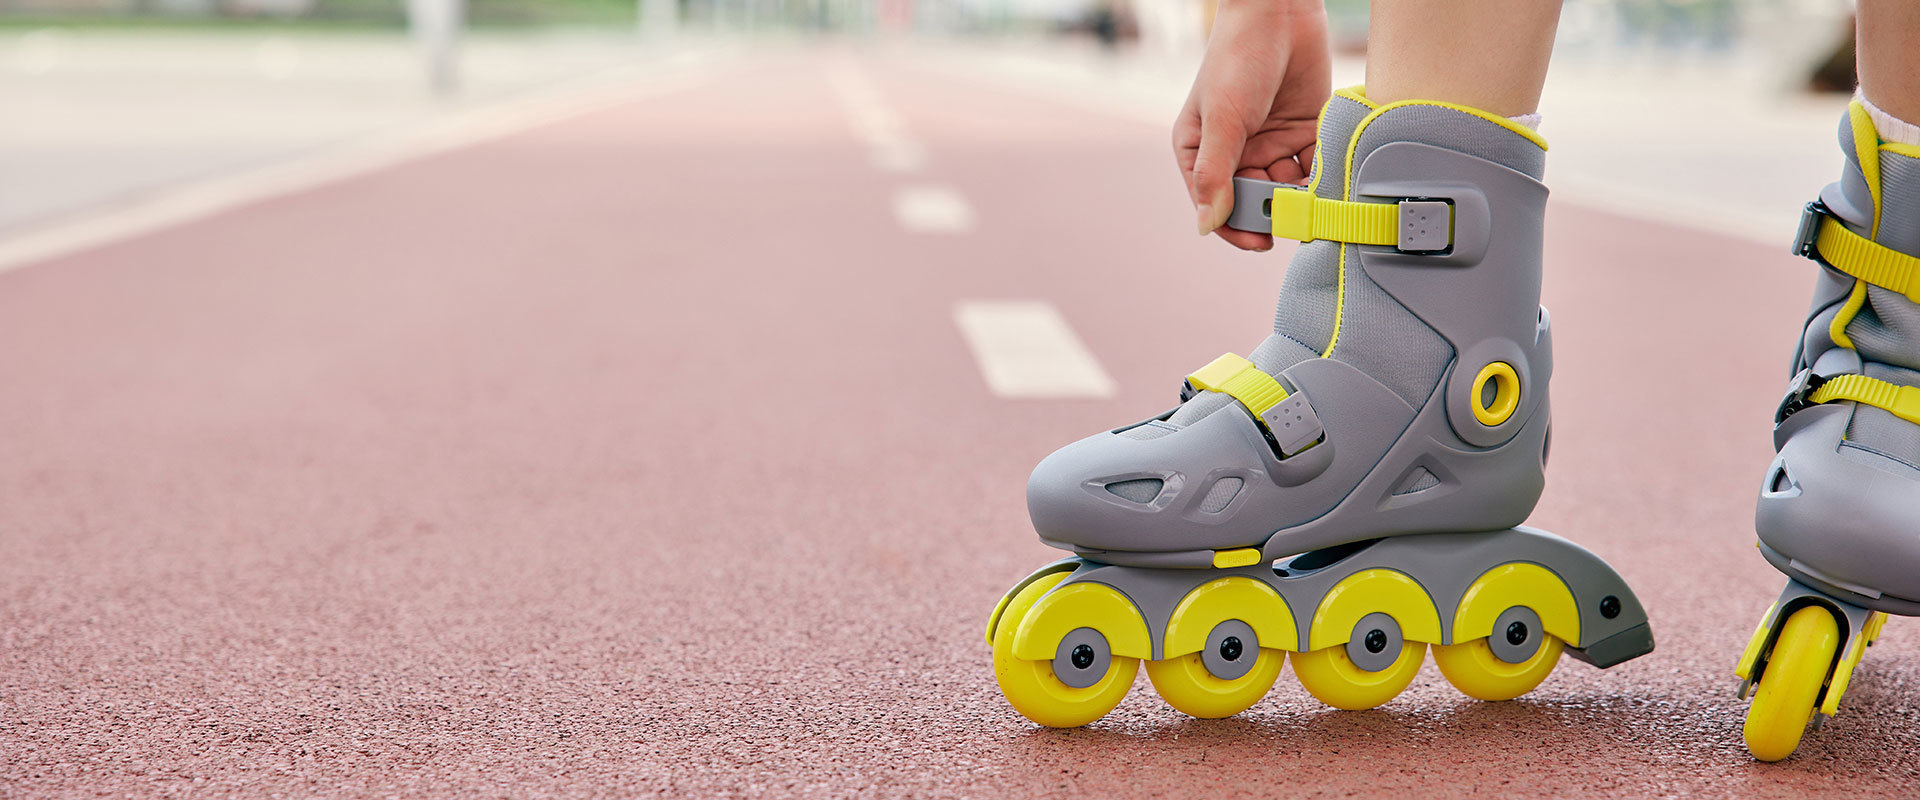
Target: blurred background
106, 99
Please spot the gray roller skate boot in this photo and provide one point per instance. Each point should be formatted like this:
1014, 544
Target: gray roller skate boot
1403, 392
1839, 510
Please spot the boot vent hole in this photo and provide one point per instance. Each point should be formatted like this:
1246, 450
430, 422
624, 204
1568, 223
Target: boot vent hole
1420, 480
1222, 494
1139, 490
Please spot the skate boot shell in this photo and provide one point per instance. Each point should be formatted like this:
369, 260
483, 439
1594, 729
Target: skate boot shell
1840, 503
1275, 511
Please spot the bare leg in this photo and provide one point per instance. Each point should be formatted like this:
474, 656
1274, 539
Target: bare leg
1889, 55
1489, 54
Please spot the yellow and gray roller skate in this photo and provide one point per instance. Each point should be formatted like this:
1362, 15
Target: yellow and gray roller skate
1349, 492
1839, 510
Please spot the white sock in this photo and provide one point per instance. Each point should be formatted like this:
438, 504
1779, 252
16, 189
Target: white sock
1532, 121
1891, 128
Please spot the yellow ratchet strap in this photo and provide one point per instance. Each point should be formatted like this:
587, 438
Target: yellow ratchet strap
1862, 258
1239, 379
1301, 215
1901, 401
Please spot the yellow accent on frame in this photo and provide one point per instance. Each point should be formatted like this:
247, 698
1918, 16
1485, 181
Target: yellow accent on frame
1517, 584
1843, 674
1362, 593
1243, 557
1238, 378
1233, 597
1082, 605
1744, 668
1506, 394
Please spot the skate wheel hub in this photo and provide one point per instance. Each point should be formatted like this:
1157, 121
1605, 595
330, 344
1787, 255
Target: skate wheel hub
1082, 658
1227, 648
1516, 642
1375, 644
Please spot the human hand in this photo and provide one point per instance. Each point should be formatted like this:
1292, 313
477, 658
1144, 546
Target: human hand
1253, 106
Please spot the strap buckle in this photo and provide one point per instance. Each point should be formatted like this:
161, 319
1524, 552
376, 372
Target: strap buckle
1806, 241
1799, 394
1286, 418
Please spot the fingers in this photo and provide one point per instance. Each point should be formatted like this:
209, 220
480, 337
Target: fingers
1257, 242
1223, 136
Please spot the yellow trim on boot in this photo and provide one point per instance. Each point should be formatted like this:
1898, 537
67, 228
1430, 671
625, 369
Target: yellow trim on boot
1901, 401
1837, 329
1866, 152
1239, 379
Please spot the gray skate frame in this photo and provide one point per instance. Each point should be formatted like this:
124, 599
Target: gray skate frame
1445, 565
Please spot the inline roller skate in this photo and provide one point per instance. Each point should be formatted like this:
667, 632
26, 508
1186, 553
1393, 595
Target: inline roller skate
1351, 492
1840, 504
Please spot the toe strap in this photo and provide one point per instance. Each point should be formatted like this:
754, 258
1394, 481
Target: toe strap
1287, 417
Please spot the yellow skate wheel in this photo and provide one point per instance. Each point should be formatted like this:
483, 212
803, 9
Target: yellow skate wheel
1790, 683
1330, 675
1473, 668
1224, 647
1032, 687
1367, 639
1187, 685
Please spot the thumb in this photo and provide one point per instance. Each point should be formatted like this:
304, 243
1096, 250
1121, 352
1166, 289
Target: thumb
1222, 140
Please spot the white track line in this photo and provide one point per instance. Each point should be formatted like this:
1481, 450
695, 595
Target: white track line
876, 124
932, 209
1026, 350
204, 199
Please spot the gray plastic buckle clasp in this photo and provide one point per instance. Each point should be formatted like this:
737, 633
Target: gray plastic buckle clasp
1799, 395
1253, 205
1293, 424
1426, 226
1805, 241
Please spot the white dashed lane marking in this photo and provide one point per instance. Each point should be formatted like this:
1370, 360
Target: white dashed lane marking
874, 123
932, 209
1025, 349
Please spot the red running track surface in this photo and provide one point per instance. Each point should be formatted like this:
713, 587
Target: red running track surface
639, 454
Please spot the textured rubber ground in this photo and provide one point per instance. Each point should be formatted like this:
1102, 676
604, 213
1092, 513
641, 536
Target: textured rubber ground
526, 471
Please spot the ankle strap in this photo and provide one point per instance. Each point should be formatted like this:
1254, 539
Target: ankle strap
1824, 238
1411, 225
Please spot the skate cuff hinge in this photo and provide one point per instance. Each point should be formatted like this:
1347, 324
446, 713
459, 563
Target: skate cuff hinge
1288, 417
1412, 225
1824, 238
